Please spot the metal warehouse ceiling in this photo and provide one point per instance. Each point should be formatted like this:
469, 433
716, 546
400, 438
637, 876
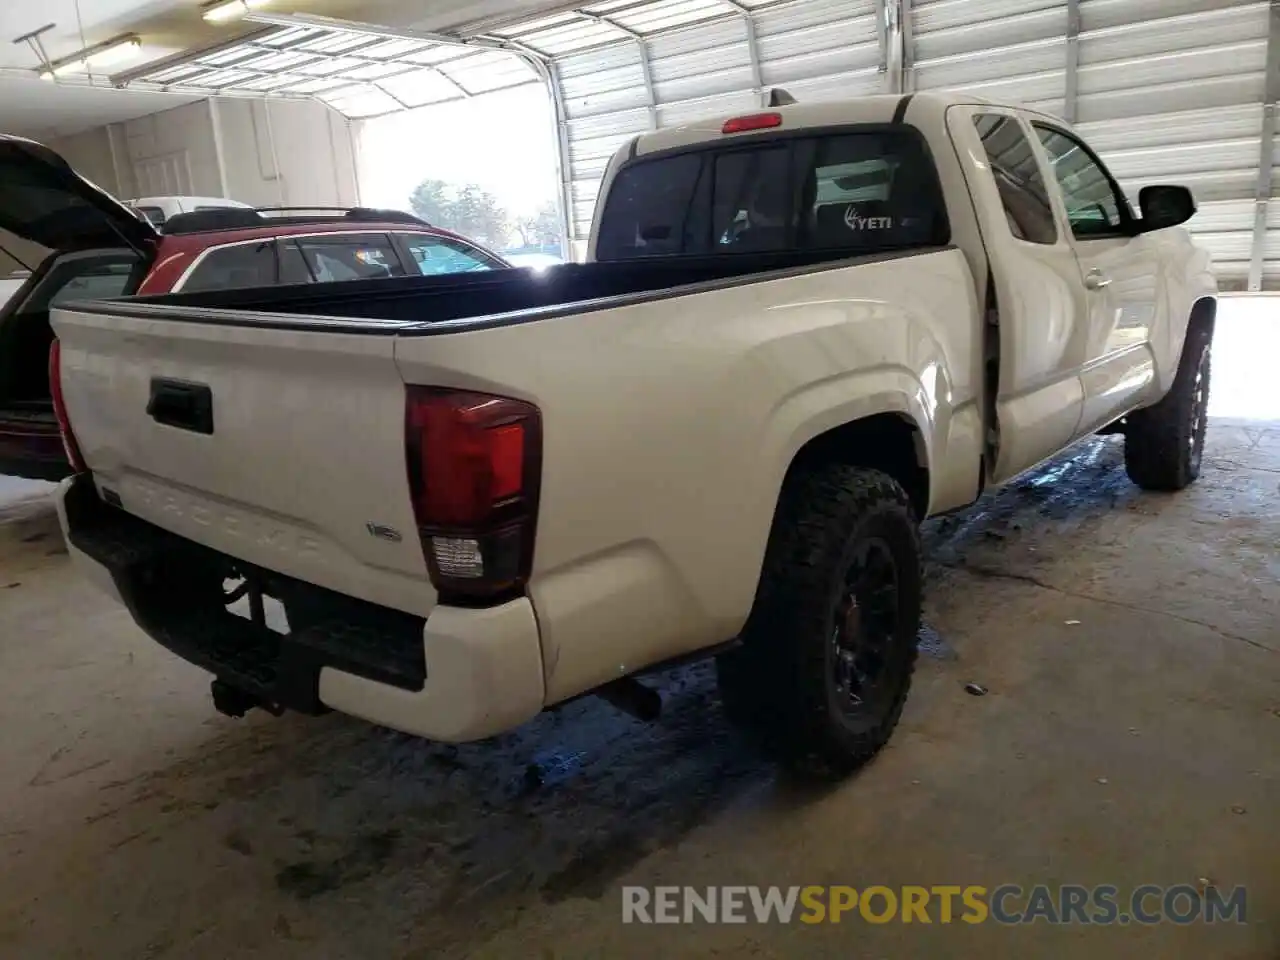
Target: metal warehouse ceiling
1167, 90
361, 72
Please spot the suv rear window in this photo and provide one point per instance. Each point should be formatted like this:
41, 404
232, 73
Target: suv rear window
847, 194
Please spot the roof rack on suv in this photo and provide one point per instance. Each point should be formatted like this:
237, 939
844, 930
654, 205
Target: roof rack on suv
243, 218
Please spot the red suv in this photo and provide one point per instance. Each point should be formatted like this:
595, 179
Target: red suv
103, 249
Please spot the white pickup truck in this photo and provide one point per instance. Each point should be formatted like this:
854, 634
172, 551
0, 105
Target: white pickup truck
801, 332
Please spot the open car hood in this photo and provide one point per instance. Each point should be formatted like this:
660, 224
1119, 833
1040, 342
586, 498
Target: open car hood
44, 201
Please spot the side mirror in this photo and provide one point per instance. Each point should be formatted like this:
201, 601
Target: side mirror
1164, 206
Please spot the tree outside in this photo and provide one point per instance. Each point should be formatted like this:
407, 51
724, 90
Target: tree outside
478, 215
541, 229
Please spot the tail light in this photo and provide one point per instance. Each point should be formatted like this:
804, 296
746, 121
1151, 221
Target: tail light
474, 464
69, 444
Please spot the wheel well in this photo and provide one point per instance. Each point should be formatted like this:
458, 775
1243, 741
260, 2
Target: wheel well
888, 442
1205, 311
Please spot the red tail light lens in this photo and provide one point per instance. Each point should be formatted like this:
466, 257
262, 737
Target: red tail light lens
474, 462
69, 444
755, 121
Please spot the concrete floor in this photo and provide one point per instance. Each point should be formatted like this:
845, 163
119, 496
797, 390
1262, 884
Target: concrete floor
1131, 735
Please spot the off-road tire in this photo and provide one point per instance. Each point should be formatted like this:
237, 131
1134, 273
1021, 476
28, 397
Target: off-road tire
777, 686
1164, 443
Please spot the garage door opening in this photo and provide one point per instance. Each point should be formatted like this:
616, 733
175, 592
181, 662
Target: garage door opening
484, 167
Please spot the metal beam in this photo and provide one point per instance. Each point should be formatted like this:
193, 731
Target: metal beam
906, 32
646, 77
314, 22
1262, 194
125, 77
882, 36
889, 34
753, 46
753, 51
646, 66
564, 162
1072, 81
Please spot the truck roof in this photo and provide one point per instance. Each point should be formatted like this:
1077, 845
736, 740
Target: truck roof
874, 108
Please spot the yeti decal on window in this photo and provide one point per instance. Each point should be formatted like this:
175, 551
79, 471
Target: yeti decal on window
854, 221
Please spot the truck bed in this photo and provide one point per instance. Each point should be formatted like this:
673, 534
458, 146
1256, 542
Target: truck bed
512, 295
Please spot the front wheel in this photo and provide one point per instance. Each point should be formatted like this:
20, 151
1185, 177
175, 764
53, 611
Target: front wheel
1164, 443
827, 654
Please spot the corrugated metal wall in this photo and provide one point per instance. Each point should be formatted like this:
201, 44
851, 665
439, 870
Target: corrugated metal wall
720, 57
1165, 90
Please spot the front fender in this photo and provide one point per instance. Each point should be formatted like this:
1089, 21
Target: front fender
1188, 279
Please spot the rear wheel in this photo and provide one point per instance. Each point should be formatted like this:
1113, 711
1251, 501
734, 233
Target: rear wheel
828, 651
1164, 443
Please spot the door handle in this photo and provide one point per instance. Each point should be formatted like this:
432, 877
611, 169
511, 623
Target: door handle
187, 406
1095, 279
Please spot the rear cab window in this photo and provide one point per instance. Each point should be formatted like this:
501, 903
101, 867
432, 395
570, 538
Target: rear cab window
860, 191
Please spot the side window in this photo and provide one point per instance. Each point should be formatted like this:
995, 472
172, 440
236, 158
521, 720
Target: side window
293, 265
354, 256
648, 210
436, 256
1016, 171
241, 265
1094, 206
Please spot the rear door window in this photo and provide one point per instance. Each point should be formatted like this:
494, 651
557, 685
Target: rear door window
1018, 179
230, 267
852, 193
354, 256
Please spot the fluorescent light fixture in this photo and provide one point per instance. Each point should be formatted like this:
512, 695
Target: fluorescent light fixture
227, 10
117, 50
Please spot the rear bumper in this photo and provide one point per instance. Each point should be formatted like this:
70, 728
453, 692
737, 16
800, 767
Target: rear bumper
460, 675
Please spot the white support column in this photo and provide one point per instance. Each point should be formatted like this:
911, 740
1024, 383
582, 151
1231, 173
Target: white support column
1262, 193
1072, 80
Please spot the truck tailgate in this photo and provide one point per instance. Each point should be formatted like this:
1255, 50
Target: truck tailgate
298, 466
